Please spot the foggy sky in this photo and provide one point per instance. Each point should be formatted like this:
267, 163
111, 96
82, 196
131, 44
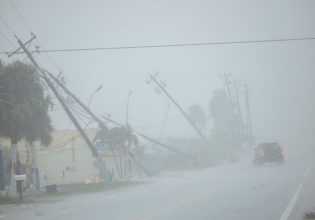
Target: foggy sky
281, 74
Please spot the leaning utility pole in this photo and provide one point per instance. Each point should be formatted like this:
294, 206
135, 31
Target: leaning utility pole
227, 84
239, 111
232, 102
101, 122
60, 99
181, 110
248, 115
151, 140
96, 118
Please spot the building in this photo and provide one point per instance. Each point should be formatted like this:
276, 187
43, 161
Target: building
68, 159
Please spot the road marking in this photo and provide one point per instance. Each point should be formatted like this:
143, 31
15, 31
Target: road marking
285, 215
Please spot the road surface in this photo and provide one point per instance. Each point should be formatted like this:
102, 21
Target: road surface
240, 191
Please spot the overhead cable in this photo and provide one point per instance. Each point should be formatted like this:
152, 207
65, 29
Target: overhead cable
174, 45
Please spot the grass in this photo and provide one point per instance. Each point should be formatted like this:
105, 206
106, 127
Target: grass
63, 190
5, 200
79, 188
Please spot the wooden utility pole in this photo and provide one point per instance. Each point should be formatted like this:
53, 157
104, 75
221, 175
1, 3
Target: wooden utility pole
232, 102
102, 123
96, 118
248, 115
60, 99
73, 153
239, 111
181, 110
228, 89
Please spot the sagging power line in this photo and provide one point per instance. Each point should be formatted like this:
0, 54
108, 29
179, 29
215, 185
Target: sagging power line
44, 75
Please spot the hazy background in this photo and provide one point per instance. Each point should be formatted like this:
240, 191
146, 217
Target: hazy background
281, 74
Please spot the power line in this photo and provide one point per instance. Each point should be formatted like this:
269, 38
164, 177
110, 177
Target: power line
7, 39
79, 112
7, 26
20, 15
29, 29
174, 45
72, 106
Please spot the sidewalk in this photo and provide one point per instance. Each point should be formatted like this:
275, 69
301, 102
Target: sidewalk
66, 190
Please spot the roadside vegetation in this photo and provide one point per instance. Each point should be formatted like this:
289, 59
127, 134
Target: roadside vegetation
309, 215
79, 188
24, 106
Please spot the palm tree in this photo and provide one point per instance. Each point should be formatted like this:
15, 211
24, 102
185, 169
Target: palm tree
24, 106
117, 136
197, 116
119, 139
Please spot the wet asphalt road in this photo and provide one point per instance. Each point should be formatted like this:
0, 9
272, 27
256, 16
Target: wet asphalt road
240, 191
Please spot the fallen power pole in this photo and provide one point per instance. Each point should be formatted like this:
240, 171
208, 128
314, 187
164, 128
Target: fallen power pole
152, 140
101, 122
232, 102
70, 114
248, 115
60, 99
239, 111
45, 75
181, 110
165, 146
87, 109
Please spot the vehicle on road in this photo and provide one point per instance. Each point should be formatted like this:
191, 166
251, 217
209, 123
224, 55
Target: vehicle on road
269, 152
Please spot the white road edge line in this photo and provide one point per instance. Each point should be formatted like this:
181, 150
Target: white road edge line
285, 215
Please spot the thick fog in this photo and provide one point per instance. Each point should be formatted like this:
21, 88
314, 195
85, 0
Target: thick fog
281, 74
105, 51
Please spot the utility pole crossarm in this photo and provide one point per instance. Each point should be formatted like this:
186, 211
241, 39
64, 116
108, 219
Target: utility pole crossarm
26, 43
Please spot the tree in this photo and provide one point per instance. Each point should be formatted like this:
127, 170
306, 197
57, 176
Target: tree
197, 116
224, 134
119, 139
221, 110
117, 136
1, 64
24, 109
